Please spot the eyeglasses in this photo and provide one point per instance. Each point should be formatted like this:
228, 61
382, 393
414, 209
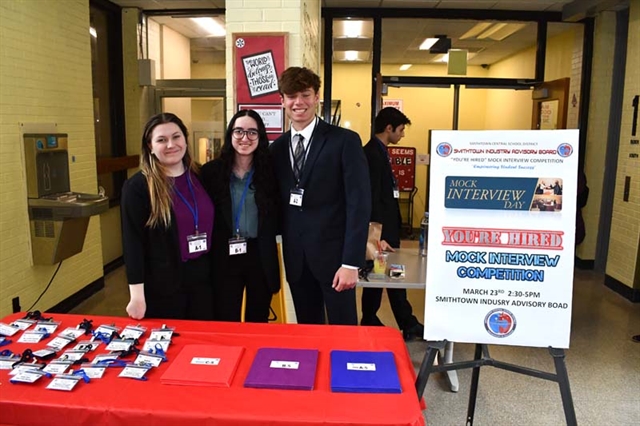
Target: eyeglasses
252, 135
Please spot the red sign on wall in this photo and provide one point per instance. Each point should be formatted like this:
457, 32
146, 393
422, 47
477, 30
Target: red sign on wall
403, 164
259, 60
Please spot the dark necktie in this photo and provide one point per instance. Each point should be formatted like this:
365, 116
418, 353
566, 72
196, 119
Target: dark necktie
298, 157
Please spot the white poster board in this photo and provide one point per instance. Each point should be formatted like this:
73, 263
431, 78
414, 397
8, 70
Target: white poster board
502, 215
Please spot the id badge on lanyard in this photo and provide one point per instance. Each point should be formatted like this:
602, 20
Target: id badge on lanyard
197, 242
295, 197
237, 246
396, 192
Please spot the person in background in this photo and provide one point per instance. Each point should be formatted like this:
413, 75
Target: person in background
389, 128
326, 204
242, 185
167, 219
582, 197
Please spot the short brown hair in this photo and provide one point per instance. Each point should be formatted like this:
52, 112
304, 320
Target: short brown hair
297, 79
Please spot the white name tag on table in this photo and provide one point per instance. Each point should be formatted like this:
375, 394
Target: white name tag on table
64, 383
205, 361
8, 330
358, 366
288, 365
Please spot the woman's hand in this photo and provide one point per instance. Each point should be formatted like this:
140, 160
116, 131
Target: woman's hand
137, 306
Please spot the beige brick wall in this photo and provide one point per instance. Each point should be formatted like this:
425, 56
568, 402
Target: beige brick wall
45, 77
599, 107
625, 226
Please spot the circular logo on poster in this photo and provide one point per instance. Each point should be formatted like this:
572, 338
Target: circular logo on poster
240, 43
565, 150
500, 322
444, 149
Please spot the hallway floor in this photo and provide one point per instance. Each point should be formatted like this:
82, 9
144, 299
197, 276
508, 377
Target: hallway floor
603, 363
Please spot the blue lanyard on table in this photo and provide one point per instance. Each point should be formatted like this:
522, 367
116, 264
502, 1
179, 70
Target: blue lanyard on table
386, 153
241, 203
194, 211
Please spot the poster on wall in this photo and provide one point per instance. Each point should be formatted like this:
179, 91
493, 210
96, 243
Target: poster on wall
403, 165
502, 215
259, 59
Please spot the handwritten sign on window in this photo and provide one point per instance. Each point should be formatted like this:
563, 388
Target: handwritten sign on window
261, 74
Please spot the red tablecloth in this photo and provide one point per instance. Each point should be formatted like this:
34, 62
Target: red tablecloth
120, 401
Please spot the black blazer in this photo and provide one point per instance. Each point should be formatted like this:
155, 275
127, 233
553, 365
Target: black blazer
151, 255
384, 208
330, 229
223, 228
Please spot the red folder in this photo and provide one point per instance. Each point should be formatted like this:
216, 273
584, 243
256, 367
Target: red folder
203, 365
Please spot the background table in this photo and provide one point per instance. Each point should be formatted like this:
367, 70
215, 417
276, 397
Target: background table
415, 277
114, 400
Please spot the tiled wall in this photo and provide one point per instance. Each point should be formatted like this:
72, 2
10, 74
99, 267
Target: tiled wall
625, 226
45, 77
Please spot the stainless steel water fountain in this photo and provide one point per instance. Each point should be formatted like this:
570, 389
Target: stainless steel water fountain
58, 217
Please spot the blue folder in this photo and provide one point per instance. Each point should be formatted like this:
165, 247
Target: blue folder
364, 372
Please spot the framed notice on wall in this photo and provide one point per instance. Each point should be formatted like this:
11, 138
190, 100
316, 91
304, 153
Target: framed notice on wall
259, 58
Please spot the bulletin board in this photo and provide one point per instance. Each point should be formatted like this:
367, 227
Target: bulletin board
403, 164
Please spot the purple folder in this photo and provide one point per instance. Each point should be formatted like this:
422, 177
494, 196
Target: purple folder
281, 368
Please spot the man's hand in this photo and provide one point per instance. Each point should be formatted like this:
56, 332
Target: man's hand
345, 279
385, 246
137, 306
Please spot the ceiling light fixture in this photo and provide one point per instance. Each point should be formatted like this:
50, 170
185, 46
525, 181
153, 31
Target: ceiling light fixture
427, 43
506, 31
477, 29
486, 33
405, 67
352, 29
351, 55
211, 26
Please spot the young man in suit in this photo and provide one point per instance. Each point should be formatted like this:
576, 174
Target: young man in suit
326, 203
389, 129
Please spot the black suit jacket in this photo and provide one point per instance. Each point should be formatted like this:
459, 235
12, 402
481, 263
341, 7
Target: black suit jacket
223, 229
151, 255
330, 229
384, 208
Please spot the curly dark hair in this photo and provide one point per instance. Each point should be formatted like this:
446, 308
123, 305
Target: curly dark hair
264, 178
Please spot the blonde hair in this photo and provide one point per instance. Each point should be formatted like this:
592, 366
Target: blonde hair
159, 183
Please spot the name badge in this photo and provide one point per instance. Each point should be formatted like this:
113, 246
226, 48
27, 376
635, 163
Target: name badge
197, 242
237, 246
396, 193
295, 198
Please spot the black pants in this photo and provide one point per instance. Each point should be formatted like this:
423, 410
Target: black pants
242, 271
311, 296
192, 300
402, 311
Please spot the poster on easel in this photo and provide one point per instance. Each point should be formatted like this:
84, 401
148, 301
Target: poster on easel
502, 215
259, 59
